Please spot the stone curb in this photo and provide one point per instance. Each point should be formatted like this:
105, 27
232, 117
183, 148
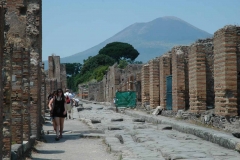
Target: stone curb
218, 137
19, 150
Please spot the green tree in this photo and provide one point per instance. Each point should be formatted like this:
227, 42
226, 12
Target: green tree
96, 61
122, 64
73, 68
119, 50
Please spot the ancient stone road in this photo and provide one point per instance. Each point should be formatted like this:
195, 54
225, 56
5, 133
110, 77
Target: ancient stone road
147, 141
78, 142
126, 139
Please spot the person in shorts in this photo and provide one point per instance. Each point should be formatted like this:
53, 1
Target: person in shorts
69, 101
59, 112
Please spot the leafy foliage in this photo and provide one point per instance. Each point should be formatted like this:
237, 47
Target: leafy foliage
94, 68
73, 68
119, 50
122, 64
93, 62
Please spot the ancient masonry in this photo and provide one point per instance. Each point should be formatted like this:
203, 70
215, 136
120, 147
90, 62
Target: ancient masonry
154, 83
115, 79
226, 70
145, 84
201, 80
202, 76
56, 75
23, 86
164, 71
180, 97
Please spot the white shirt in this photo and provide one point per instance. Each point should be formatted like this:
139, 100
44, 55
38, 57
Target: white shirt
68, 94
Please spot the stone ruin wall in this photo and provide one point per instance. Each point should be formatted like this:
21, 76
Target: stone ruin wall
57, 77
201, 75
95, 91
226, 55
128, 78
180, 98
21, 25
145, 84
83, 91
24, 81
165, 69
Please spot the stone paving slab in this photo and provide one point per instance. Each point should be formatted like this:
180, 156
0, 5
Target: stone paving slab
151, 142
79, 142
218, 137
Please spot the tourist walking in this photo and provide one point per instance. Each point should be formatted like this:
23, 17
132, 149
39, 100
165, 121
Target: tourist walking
59, 112
50, 106
69, 103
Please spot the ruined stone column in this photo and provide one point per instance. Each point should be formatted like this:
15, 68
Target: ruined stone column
180, 85
43, 92
154, 83
226, 70
165, 66
2, 18
200, 75
26, 96
16, 96
145, 84
34, 41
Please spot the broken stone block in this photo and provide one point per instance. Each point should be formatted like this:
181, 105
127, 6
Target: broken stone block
158, 110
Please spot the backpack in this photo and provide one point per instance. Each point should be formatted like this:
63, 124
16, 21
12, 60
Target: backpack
67, 100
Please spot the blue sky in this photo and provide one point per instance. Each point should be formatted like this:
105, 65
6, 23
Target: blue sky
73, 26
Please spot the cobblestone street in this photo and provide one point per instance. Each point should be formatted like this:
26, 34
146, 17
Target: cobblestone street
125, 137
146, 141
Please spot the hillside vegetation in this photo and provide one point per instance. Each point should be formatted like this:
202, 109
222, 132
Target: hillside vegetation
95, 67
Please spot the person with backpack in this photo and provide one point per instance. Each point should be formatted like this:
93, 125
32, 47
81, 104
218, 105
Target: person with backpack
68, 99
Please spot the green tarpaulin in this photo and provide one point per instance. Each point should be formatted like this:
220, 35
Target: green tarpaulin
126, 99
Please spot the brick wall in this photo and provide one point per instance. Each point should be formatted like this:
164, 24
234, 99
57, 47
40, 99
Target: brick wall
26, 96
200, 75
34, 43
226, 52
180, 85
1, 77
154, 83
145, 84
165, 67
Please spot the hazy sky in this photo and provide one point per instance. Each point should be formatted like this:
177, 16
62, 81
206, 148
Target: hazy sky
73, 26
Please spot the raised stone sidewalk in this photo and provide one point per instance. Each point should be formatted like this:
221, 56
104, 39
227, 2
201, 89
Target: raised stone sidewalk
219, 137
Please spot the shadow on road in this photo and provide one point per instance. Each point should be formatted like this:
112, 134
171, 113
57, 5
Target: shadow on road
50, 151
51, 138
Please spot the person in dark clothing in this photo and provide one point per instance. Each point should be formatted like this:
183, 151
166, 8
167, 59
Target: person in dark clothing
52, 95
58, 112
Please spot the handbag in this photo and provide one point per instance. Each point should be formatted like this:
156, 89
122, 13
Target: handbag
53, 105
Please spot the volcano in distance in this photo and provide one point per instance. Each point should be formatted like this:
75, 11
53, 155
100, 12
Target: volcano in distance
151, 39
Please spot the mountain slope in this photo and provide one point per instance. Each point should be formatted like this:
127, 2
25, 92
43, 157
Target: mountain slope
151, 39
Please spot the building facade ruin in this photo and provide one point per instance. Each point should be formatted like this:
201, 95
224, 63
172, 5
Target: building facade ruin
24, 81
204, 75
